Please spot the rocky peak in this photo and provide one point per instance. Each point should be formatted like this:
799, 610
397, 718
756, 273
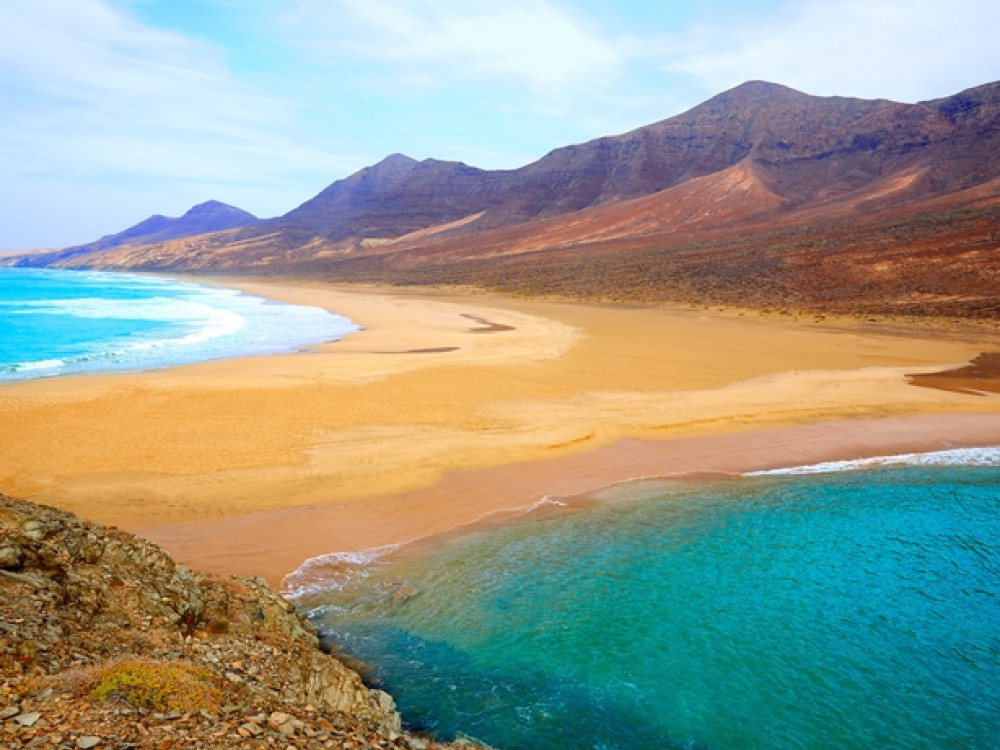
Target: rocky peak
396, 196
382, 175
751, 95
395, 163
219, 211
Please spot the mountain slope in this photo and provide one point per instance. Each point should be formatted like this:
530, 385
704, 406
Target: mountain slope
815, 149
211, 216
812, 149
396, 196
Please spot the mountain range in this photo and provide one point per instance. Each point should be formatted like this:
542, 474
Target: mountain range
762, 195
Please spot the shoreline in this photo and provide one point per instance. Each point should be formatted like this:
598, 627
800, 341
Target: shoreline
217, 323
448, 406
286, 539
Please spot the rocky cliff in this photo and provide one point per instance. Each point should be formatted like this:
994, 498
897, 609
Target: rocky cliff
106, 641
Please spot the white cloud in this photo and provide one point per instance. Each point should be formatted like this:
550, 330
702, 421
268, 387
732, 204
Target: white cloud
537, 44
296, 93
90, 93
905, 50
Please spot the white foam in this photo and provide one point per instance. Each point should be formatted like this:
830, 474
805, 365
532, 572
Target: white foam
988, 456
332, 571
190, 323
545, 501
45, 364
154, 309
209, 323
335, 570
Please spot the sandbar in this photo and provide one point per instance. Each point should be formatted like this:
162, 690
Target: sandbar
451, 405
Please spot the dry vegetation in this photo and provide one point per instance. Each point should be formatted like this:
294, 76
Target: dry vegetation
944, 263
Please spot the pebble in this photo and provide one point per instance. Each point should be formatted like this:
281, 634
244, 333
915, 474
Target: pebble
251, 729
277, 718
88, 741
28, 719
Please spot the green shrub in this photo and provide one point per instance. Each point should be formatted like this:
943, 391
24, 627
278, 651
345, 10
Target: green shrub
158, 686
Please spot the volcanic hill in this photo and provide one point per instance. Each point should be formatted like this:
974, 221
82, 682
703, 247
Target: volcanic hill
761, 196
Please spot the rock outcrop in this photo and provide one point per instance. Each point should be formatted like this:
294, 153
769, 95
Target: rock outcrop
105, 640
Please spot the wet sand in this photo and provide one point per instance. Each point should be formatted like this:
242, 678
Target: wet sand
448, 407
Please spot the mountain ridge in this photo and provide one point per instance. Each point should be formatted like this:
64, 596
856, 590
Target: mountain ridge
400, 195
755, 159
209, 216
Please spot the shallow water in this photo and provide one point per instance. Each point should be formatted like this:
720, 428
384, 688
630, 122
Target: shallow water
829, 610
66, 322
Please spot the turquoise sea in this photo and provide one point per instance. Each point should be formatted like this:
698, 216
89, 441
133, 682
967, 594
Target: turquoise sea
854, 605
69, 322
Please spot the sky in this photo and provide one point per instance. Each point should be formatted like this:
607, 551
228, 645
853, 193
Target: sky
114, 110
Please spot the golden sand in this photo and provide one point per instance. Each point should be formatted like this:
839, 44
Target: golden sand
449, 406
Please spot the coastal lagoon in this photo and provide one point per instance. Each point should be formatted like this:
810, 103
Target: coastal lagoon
846, 605
72, 322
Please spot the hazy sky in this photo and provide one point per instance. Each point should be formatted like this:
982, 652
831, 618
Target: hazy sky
113, 110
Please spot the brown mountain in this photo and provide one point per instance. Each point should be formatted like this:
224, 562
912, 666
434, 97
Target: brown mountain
812, 149
761, 195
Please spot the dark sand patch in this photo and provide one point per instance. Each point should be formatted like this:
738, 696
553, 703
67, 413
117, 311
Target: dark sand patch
427, 350
980, 376
487, 326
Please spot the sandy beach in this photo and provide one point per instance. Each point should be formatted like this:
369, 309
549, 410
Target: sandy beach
449, 406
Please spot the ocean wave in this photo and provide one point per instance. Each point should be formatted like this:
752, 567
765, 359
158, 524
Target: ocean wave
44, 364
986, 456
332, 571
154, 309
335, 571
58, 366
198, 323
174, 323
